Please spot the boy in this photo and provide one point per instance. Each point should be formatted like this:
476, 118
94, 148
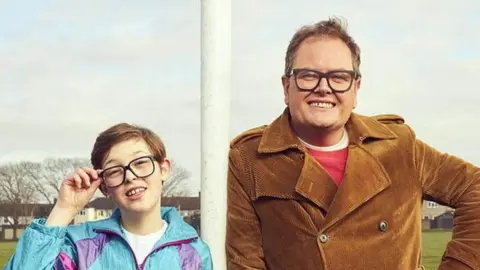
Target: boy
129, 166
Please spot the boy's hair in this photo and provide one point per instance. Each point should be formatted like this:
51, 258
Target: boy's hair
124, 132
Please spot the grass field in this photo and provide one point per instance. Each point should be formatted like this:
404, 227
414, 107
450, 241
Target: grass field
434, 243
6, 250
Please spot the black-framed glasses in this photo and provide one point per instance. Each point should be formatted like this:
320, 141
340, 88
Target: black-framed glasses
337, 80
140, 167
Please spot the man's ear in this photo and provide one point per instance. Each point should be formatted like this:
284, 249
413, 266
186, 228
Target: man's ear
286, 86
357, 85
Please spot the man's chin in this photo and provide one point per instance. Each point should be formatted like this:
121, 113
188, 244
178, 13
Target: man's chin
325, 122
325, 126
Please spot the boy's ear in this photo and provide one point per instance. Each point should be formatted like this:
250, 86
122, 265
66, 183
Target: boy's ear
165, 167
104, 190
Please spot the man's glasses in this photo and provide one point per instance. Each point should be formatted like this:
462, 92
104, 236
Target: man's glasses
337, 80
140, 167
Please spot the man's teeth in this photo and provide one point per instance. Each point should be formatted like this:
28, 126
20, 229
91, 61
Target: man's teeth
135, 191
322, 104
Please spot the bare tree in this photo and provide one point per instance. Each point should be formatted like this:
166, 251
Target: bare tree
18, 191
53, 171
47, 176
177, 182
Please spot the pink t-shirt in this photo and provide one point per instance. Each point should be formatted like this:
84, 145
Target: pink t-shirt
332, 158
334, 162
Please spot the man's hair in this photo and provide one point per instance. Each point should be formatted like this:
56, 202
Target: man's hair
124, 132
331, 28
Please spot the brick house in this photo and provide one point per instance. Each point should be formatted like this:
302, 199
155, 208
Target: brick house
14, 218
432, 212
101, 208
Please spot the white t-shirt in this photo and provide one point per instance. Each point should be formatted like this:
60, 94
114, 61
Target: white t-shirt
343, 143
142, 245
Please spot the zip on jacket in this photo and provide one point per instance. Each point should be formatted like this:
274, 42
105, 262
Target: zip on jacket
102, 245
155, 249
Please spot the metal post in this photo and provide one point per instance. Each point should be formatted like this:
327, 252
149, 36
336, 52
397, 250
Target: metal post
215, 120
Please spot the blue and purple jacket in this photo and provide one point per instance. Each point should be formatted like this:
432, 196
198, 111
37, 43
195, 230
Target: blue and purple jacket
102, 245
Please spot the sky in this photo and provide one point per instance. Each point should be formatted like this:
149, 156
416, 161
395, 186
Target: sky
70, 69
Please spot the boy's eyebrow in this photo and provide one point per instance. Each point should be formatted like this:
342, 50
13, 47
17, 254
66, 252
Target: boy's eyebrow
110, 161
134, 153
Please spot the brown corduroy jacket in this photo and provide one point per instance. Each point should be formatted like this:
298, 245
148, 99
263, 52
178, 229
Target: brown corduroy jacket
285, 212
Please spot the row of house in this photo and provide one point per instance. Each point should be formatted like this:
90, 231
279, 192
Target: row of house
14, 218
435, 216
101, 208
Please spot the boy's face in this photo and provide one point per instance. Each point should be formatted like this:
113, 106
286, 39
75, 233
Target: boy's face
136, 194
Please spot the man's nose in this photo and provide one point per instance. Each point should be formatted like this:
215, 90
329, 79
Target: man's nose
323, 88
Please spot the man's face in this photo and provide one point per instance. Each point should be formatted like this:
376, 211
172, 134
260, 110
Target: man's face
322, 107
136, 194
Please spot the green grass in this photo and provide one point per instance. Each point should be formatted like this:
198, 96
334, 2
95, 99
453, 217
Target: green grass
434, 243
6, 250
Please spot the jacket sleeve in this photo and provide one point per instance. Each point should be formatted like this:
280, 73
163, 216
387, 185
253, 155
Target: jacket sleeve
44, 248
207, 263
448, 180
244, 236
203, 250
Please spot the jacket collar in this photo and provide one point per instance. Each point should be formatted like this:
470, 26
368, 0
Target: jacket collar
177, 229
279, 136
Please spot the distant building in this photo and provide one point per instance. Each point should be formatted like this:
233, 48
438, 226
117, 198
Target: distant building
14, 218
435, 216
101, 208
443, 221
430, 210
187, 206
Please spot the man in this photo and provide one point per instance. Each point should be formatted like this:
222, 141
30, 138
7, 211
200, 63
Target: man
324, 188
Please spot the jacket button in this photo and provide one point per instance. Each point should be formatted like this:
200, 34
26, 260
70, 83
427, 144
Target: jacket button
383, 226
323, 238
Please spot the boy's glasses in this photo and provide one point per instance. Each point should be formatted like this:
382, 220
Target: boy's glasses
140, 167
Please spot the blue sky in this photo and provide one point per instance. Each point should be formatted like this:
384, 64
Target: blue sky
71, 69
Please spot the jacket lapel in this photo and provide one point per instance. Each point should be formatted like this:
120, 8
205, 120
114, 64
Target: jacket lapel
364, 178
315, 184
